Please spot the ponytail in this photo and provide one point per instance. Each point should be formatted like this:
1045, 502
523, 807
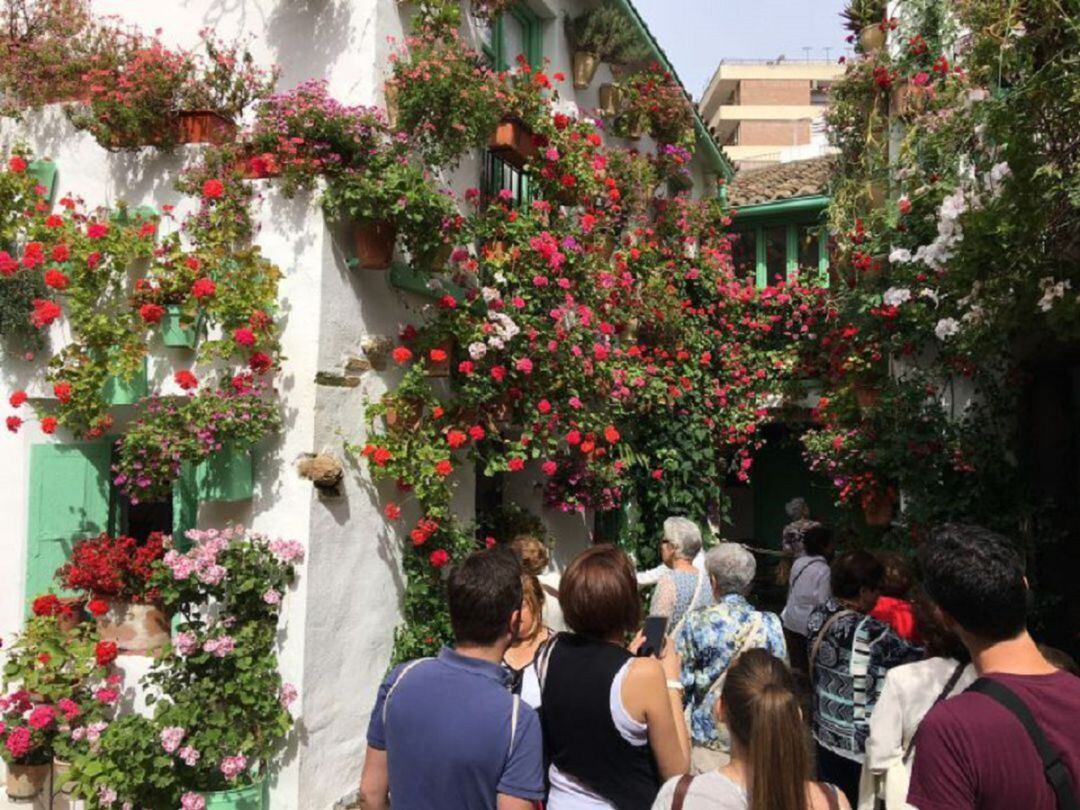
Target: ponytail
763, 714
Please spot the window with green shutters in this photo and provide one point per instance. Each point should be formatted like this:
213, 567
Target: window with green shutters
778, 251
71, 496
516, 32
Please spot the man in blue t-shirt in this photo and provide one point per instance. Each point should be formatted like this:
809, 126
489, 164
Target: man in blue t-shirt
446, 731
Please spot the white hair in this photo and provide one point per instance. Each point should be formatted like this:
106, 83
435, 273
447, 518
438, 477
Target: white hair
731, 567
685, 535
796, 508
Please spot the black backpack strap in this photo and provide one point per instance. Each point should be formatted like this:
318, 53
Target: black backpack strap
1057, 774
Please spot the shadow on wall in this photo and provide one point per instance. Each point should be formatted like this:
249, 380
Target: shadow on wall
308, 37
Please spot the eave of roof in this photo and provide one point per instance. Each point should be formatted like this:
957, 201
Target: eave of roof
714, 152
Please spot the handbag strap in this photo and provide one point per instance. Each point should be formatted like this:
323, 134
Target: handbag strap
693, 601
945, 692
805, 567
1054, 768
681, 790
820, 637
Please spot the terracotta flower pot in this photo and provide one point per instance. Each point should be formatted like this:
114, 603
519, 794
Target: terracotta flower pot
610, 98
136, 629
60, 781
585, 64
68, 620
27, 781
513, 142
204, 126
878, 508
872, 38
392, 107
403, 420
867, 396
373, 242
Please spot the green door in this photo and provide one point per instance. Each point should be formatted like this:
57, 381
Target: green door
69, 500
780, 474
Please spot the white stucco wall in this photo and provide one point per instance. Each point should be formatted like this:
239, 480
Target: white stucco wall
337, 638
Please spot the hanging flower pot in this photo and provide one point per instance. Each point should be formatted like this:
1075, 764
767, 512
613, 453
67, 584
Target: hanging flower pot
872, 38
585, 64
373, 243
437, 360
121, 391
392, 107
136, 629
633, 127
249, 797
204, 126
877, 507
60, 781
513, 142
178, 333
610, 99
26, 781
405, 419
867, 396
227, 475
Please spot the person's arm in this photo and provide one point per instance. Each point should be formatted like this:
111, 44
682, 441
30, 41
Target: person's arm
885, 745
521, 784
663, 598
652, 576
823, 587
375, 781
648, 697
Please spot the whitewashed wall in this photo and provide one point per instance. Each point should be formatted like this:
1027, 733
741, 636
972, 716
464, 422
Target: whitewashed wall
337, 640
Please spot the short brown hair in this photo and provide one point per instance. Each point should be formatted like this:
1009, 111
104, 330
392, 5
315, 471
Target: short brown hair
598, 593
898, 574
482, 593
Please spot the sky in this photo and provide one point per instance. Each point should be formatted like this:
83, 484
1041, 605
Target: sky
697, 34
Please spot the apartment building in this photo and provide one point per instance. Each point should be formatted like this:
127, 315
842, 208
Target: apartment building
766, 112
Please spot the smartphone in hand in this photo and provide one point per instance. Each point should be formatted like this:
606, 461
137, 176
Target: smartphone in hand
654, 630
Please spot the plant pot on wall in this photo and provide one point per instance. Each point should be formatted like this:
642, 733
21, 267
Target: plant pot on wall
250, 797
610, 99
227, 475
24, 782
136, 629
178, 333
867, 395
60, 781
872, 38
585, 64
120, 391
373, 243
513, 142
392, 107
877, 507
204, 126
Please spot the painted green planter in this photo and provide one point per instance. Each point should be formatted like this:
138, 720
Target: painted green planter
118, 391
252, 797
228, 475
175, 332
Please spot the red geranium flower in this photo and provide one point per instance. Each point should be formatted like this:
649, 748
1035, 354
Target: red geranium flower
203, 288
392, 511
97, 607
46, 605
62, 391
186, 380
17, 398
244, 337
213, 189
152, 313
61, 253
516, 464
611, 434
16, 164
14, 423
438, 355
260, 362
456, 439
105, 652
45, 312
401, 355
439, 558
55, 279
48, 425
444, 467
97, 230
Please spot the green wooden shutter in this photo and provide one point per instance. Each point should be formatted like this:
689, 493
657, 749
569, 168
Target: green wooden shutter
45, 172
69, 500
185, 506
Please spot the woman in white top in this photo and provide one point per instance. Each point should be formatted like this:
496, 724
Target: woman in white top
531, 635
770, 754
535, 560
685, 586
910, 691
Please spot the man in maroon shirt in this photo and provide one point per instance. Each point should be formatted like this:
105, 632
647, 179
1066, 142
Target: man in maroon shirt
972, 753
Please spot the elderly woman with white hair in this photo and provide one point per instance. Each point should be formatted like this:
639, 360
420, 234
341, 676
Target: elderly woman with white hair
709, 642
685, 586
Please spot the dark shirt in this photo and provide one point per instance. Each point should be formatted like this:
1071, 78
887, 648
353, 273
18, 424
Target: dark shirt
447, 736
971, 753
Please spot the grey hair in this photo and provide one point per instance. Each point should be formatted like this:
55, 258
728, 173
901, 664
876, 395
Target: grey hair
731, 568
685, 535
796, 507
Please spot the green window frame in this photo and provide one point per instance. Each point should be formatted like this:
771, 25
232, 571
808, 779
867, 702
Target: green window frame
532, 32
791, 253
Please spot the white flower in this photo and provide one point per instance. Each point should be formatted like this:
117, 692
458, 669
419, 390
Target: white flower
895, 296
900, 256
477, 350
926, 292
1052, 290
946, 328
489, 293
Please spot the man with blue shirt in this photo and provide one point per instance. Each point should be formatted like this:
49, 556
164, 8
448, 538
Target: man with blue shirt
446, 732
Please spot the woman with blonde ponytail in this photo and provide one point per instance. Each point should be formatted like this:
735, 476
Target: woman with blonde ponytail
771, 763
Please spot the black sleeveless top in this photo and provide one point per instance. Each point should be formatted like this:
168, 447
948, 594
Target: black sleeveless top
579, 734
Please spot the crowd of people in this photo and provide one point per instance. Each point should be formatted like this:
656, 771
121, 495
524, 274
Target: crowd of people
864, 692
